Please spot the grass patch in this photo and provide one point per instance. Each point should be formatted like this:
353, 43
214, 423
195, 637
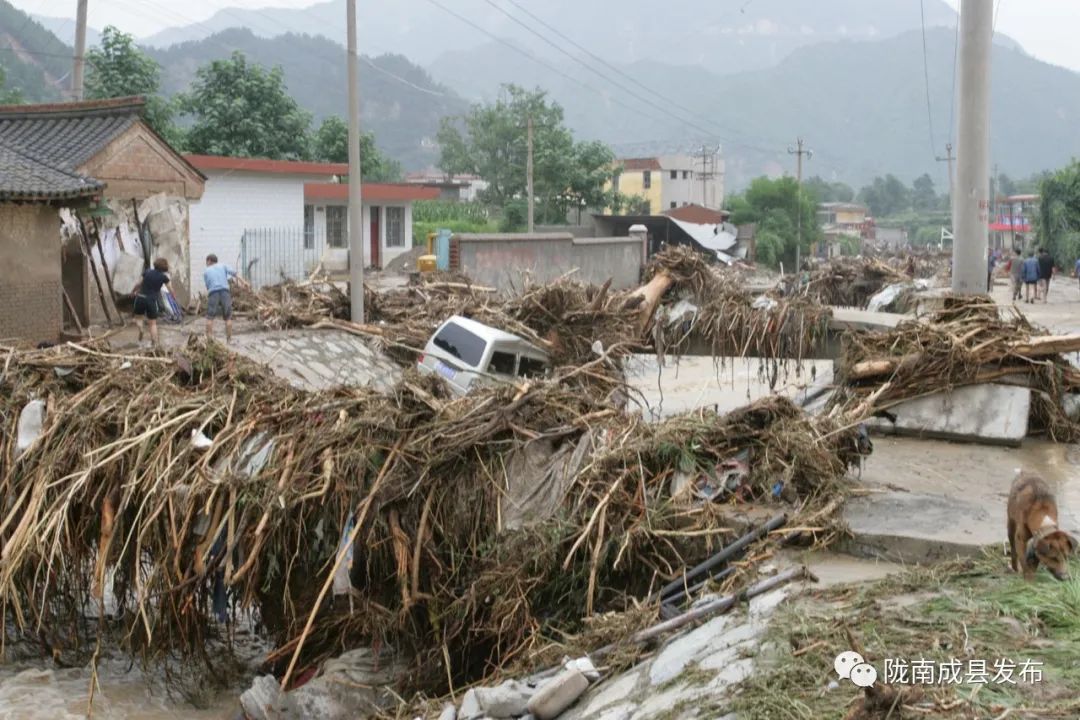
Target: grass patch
968, 611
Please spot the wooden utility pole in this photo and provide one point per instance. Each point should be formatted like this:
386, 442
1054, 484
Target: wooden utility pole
970, 204
356, 211
80, 51
529, 174
798, 152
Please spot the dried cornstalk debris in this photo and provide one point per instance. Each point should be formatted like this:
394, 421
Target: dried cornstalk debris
114, 498
843, 282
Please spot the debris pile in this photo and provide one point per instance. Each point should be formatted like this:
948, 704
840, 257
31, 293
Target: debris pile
970, 341
185, 490
843, 282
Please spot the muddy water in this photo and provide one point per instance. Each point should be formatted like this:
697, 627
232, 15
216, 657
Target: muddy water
31, 691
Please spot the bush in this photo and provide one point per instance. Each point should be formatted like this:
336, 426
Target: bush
445, 211
421, 229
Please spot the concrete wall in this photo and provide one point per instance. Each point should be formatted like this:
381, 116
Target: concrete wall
236, 201
31, 285
503, 260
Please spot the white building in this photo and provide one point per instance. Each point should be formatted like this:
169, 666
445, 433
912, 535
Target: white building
274, 219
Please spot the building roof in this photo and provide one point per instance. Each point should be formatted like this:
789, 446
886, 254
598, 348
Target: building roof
851, 207
262, 165
26, 179
638, 164
371, 192
698, 214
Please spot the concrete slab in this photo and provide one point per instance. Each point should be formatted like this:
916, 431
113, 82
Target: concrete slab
994, 414
915, 528
854, 319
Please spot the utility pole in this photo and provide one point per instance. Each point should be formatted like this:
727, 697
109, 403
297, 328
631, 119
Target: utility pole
949, 157
356, 211
708, 160
529, 173
970, 204
80, 51
798, 151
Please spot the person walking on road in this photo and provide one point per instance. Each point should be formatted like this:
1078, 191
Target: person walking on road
148, 296
219, 299
1016, 273
991, 263
1046, 271
1031, 277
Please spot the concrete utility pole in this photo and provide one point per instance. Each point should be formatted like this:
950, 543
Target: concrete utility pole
80, 51
529, 173
798, 151
971, 204
949, 157
356, 210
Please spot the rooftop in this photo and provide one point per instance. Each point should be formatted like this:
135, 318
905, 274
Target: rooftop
638, 164
265, 165
698, 214
381, 192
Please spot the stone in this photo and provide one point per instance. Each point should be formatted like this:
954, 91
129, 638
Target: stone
557, 694
611, 692
470, 706
732, 673
508, 700
995, 414
683, 650
762, 606
659, 703
618, 712
449, 712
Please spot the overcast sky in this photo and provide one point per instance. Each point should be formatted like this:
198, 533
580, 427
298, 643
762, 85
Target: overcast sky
1046, 28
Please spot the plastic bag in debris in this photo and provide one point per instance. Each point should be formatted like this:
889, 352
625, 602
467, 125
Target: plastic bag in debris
200, 441
31, 420
682, 310
763, 302
727, 477
342, 581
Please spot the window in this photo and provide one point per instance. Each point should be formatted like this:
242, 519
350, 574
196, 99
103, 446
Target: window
461, 344
395, 227
337, 226
502, 363
646, 180
309, 227
530, 367
674, 204
685, 174
674, 174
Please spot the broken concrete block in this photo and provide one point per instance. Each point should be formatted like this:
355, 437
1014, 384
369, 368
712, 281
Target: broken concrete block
470, 707
995, 414
557, 694
508, 700
449, 712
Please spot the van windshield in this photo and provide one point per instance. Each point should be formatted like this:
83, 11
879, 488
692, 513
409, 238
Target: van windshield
461, 344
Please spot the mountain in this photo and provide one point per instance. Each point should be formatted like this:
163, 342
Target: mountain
860, 105
725, 36
34, 60
64, 29
400, 102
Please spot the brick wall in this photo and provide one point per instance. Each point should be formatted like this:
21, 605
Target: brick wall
31, 300
137, 165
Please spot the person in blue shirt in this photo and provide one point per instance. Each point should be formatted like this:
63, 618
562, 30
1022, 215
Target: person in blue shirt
219, 299
1076, 268
1031, 276
147, 295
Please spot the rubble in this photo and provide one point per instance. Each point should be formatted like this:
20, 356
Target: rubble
842, 282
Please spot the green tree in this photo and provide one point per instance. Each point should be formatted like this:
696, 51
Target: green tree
243, 110
1005, 185
118, 68
491, 141
8, 96
1058, 224
776, 206
825, 191
331, 144
923, 195
886, 196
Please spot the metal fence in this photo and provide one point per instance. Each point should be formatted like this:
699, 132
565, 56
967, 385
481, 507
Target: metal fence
269, 256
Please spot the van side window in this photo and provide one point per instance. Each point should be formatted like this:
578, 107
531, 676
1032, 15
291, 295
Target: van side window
531, 368
501, 363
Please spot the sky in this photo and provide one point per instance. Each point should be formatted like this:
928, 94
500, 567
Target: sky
1046, 28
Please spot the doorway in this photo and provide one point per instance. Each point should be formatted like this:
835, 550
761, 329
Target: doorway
376, 257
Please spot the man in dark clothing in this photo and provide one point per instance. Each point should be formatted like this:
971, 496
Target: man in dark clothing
1046, 271
148, 295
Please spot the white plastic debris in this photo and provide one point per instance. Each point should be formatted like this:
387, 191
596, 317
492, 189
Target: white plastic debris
763, 302
125, 365
584, 666
200, 441
31, 420
342, 581
62, 372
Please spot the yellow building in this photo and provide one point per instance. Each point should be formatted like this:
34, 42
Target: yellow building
673, 181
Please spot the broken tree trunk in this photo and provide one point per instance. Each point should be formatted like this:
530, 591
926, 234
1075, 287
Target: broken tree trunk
650, 295
1035, 347
93, 270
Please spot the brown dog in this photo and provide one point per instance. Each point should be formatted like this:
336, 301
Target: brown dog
1034, 535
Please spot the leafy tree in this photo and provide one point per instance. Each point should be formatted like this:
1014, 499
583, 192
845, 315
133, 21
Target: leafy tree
491, 141
776, 205
886, 196
118, 68
331, 144
923, 195
825, 191
8, 97
1059, 214
244, 110
1005, 185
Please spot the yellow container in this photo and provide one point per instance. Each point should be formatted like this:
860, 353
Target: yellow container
426, 263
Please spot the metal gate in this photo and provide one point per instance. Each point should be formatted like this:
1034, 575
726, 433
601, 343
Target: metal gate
269, 256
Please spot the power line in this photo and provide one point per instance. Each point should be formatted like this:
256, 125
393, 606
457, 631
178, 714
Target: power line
926, 75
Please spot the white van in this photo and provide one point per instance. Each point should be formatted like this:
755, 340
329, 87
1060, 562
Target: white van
465, 352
